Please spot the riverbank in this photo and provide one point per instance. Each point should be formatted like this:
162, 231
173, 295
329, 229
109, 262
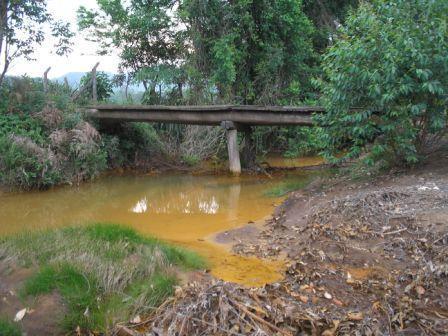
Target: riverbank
86, 279
366, 256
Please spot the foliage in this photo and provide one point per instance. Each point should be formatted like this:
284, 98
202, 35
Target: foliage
104, 86
253, 51
22, 125
132, 144
126, 26
22, 24
327, 15
25, 165
390, 63
104, 272
45, 142
292, 141
304, 141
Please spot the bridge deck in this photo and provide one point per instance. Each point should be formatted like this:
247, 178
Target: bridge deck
208, 115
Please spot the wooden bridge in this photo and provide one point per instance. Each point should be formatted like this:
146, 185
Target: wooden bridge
231, 117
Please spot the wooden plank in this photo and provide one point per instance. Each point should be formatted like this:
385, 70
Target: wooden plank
206, 118
209, 108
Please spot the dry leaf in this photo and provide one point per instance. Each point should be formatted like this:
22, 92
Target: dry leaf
420, 290
355, 316
20, 315
338, 302
328, 296
124, 331
303, 298
137, 319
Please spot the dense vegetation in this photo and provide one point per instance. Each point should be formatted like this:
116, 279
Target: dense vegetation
386, 59
391, 62
105, 273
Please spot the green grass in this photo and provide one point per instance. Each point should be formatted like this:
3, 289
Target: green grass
105, 273
286, 187
9, 328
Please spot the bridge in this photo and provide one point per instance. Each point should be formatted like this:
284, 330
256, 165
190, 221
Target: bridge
232, 118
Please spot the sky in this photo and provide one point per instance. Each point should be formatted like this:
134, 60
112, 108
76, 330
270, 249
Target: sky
83, 57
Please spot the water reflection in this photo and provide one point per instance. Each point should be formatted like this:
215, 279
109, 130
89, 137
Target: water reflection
141, 206
182, 209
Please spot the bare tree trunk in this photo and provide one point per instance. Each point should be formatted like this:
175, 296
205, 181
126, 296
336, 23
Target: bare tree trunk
76, 95
3, 25
46, 80
5, 68
94, 84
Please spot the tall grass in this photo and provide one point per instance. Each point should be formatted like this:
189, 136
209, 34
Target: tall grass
106, 273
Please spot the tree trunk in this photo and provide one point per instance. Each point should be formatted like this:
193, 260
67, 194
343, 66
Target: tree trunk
3, 25
46, 80
94, 85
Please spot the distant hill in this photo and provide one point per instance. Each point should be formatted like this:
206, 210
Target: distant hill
74, 78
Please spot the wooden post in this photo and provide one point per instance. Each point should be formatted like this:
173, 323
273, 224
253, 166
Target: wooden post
232, 147
46, 80
94, 84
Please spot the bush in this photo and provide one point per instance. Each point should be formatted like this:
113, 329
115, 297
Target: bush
26, 165
391, 63
132, 141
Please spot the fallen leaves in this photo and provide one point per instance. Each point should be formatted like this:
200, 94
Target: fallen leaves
20, 315
355, 316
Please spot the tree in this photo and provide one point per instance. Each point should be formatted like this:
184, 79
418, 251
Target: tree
327, 16
390, 62
22, 28
142, 31
252, 51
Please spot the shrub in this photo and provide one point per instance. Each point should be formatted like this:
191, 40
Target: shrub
25, 164
391, 63
104, 86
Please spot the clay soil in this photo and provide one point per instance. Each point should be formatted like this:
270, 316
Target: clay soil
365, 257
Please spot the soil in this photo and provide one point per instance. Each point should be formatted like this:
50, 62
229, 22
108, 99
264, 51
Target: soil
366, 257
42, 314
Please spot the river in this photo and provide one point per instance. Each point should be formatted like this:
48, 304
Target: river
183, 209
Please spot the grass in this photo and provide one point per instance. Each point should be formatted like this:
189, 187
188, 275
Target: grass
286, 187
106, 273
9, 328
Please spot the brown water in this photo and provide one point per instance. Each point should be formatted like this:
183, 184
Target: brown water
183, 209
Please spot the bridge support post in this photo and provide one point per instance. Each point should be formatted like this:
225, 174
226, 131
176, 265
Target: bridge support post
232, 147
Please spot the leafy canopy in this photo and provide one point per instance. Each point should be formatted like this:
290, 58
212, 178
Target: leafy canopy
22, 24
391, 64
252, 51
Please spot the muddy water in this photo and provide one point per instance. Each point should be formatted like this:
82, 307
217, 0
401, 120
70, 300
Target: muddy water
183, 209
